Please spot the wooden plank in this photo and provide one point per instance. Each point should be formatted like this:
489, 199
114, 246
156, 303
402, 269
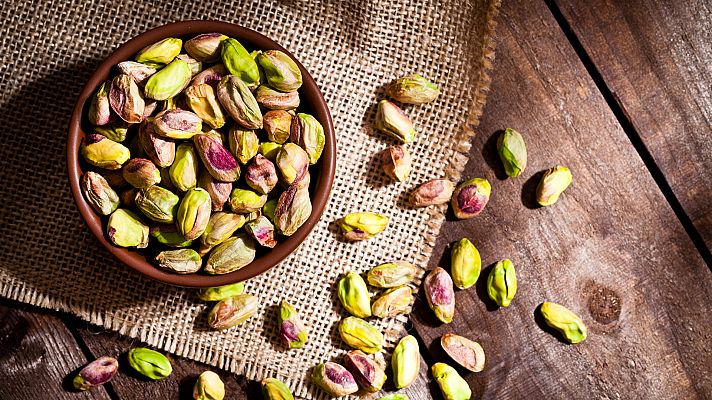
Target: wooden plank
39, 357
655, 57
611, 249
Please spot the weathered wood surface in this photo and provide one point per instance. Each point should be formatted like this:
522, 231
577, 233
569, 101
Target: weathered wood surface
611, 249
655, 58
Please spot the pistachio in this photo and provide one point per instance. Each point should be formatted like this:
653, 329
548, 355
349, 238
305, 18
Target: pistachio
219, 191
104, 153
334, 379
567, 323
308, 133
169, 81
231, 255
125, 229
100, 109
405, 362
209, 387
432, 192
362, 225
162, 151
395, 396
125, 99
262, 230
512, 151
269, 150
275, 100
293, 209
269, 209
281, 71
161, 52
205, 47
277, 124
392, 302
194, 65
150, 108
96, 373
193, 213
353, 294
390, 275
361, 335
221, 226
240, 63
218, 160
291, 328
157, 203
413, 89
232, 311
98, 193
115, 131
238, 101
292, 162
452, 386
211, 76
181, 261
137, 71
221, 292
470, 198
150, 363
245, 201
552, 184
184, 170
261, 175
393, 121
177, 124
253, 216
201, 99
502, 283
464, 351
440, 294
243, 144
141, 173
366, 372
396, 162
168, 235
465, 263
274, 389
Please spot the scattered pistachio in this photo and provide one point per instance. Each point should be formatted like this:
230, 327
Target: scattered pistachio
274, 389
181, 261
366, 372
232, 311
362, 225
96, 373
193, 213
275, 100
440, 294
291, 328
221, 292
432, 192
98, 193
452, 386
464, 351
465, 263
413, 89
405, 362
209, 387
512, 151
390, 275
125, 229
392, 302
361, 335
502, 283
553, 183
393, 121
334, 379
100, 109
470, 198
231, 255
567, 323
150, 363
396, 162
353, 294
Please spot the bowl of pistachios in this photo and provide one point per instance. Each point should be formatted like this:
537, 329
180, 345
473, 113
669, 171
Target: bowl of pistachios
201, 153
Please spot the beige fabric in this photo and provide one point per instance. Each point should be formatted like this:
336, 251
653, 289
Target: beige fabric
352, 48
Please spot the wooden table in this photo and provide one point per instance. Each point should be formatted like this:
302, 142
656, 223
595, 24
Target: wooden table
619, 91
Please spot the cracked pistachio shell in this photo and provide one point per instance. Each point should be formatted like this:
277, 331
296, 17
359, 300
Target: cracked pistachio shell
96, 373
231, 255
392, 302
141, 173
465, 263
276, 100
193, 213
390, 275
243, 143
291, 329
362, 225
405, 362
202, 100
471, 197
184, 170
137, 71
368, 374
308, 133
432, 192
218, 160
161, 52
395, 396
161, 150
181, 261
99, 151
552, 184
354, 296
169, 81
274, 389
194, 65
245, 201
240, 63
221, 226
567, 323
293, 209
168, 235
209, 387
277, 124
177, 124
269, 150
440, 294
281, 72
334, 379
125, 229
238, 101
269, 209
292, 163
262, 230
205, 47
115, 131
219, 191
512, 151
452, 385
210, 76
150, 363
100, 109
98, 193
261, 175
396, 162
157, 203
393, 121
361, 335
126, 100
502, 283
413, 89
221, 292
232, 311
464, 351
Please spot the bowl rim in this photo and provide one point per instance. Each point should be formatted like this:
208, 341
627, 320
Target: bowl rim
321, 189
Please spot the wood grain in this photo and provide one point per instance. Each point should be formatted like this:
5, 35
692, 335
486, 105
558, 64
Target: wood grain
611, 249
655, 57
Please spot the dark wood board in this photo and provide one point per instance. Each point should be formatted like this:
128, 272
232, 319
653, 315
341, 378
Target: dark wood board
611, 249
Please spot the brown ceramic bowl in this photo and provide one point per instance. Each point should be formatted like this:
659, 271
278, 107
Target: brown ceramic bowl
322, 173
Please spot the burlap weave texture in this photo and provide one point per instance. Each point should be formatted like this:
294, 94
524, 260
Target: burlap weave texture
352, 48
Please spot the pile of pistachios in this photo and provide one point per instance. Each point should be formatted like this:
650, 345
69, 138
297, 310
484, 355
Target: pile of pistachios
185, 128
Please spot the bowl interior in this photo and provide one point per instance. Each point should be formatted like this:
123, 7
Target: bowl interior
322, 174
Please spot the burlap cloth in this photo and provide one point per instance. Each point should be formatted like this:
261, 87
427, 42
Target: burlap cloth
352, 48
